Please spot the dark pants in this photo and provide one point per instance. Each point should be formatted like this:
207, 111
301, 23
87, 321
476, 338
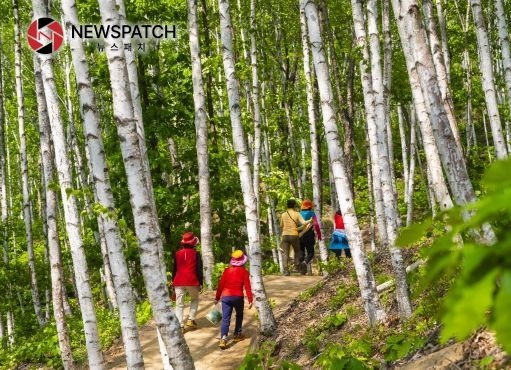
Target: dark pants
307, 242
228, 304
338, 252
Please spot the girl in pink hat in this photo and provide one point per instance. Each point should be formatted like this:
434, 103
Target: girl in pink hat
188, 278
230, 292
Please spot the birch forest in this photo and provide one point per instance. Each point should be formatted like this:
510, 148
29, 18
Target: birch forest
208, 116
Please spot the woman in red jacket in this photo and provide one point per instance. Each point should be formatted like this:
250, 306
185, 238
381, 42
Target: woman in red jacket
187, 278
230, 291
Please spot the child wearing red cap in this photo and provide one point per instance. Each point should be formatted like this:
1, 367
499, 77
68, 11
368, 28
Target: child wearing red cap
230, 292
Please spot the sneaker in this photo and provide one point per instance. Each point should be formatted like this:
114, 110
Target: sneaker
223, 343
191, 324
303, 268
239, 337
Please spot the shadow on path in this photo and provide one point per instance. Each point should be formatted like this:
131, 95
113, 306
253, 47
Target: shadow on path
203, 341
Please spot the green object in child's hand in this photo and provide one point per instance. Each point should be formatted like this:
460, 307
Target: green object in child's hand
214, 316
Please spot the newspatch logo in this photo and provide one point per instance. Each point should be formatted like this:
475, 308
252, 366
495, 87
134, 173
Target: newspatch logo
45, 35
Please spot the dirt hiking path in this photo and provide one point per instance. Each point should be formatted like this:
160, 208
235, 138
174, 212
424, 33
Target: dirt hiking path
203, 342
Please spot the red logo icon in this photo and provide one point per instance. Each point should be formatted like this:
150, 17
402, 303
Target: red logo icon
45, 36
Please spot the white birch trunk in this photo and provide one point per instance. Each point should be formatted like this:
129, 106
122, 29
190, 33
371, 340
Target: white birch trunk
201, 129
131, 67
488, 80
256, 103
408, 19
56, 271
78, 160
436, 178
3, 190
10, 328
441, 69
315, 150
27, 216
266, 318
271, 205
106, 271
142, 202
387, 83
371, 202
69, 203
488, 151
2, 327
443, 34
506, 56
365, 276
369, 103
375, 111
411, 177
404, 147
412, 31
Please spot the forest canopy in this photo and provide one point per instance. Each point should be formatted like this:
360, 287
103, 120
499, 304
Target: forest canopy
124, 125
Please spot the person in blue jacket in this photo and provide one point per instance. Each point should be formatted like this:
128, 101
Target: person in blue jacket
339, 241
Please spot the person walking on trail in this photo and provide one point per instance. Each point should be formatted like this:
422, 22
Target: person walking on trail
187, 278
308, 235
234, 279
339, 241
290, 223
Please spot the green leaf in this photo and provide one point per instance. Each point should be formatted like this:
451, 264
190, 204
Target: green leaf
466, 307
286, 365
498, 176
486, 361
473, 257
502, 323
442, 259
413, 233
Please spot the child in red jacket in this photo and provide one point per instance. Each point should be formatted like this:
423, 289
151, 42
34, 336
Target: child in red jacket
230, 292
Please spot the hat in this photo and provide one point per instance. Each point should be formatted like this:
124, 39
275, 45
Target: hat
189, 239
307, 204
238, 258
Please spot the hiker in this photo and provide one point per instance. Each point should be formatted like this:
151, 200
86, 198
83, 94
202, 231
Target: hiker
188, 278
308, 235
230, 293
290, 223
339, 241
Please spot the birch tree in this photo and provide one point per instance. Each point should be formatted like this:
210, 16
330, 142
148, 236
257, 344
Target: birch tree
255, 102
69, 203
142, 202
131, 67
505, 49
443, 34
27, 217
365, 276
413, 38
201, 129
376, 125
315, 150
371, 123
3, 190
56, 272
440, 68
266, 318
488, 80
107, 222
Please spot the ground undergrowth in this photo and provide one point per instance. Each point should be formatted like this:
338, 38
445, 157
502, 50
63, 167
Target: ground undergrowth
326, 328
